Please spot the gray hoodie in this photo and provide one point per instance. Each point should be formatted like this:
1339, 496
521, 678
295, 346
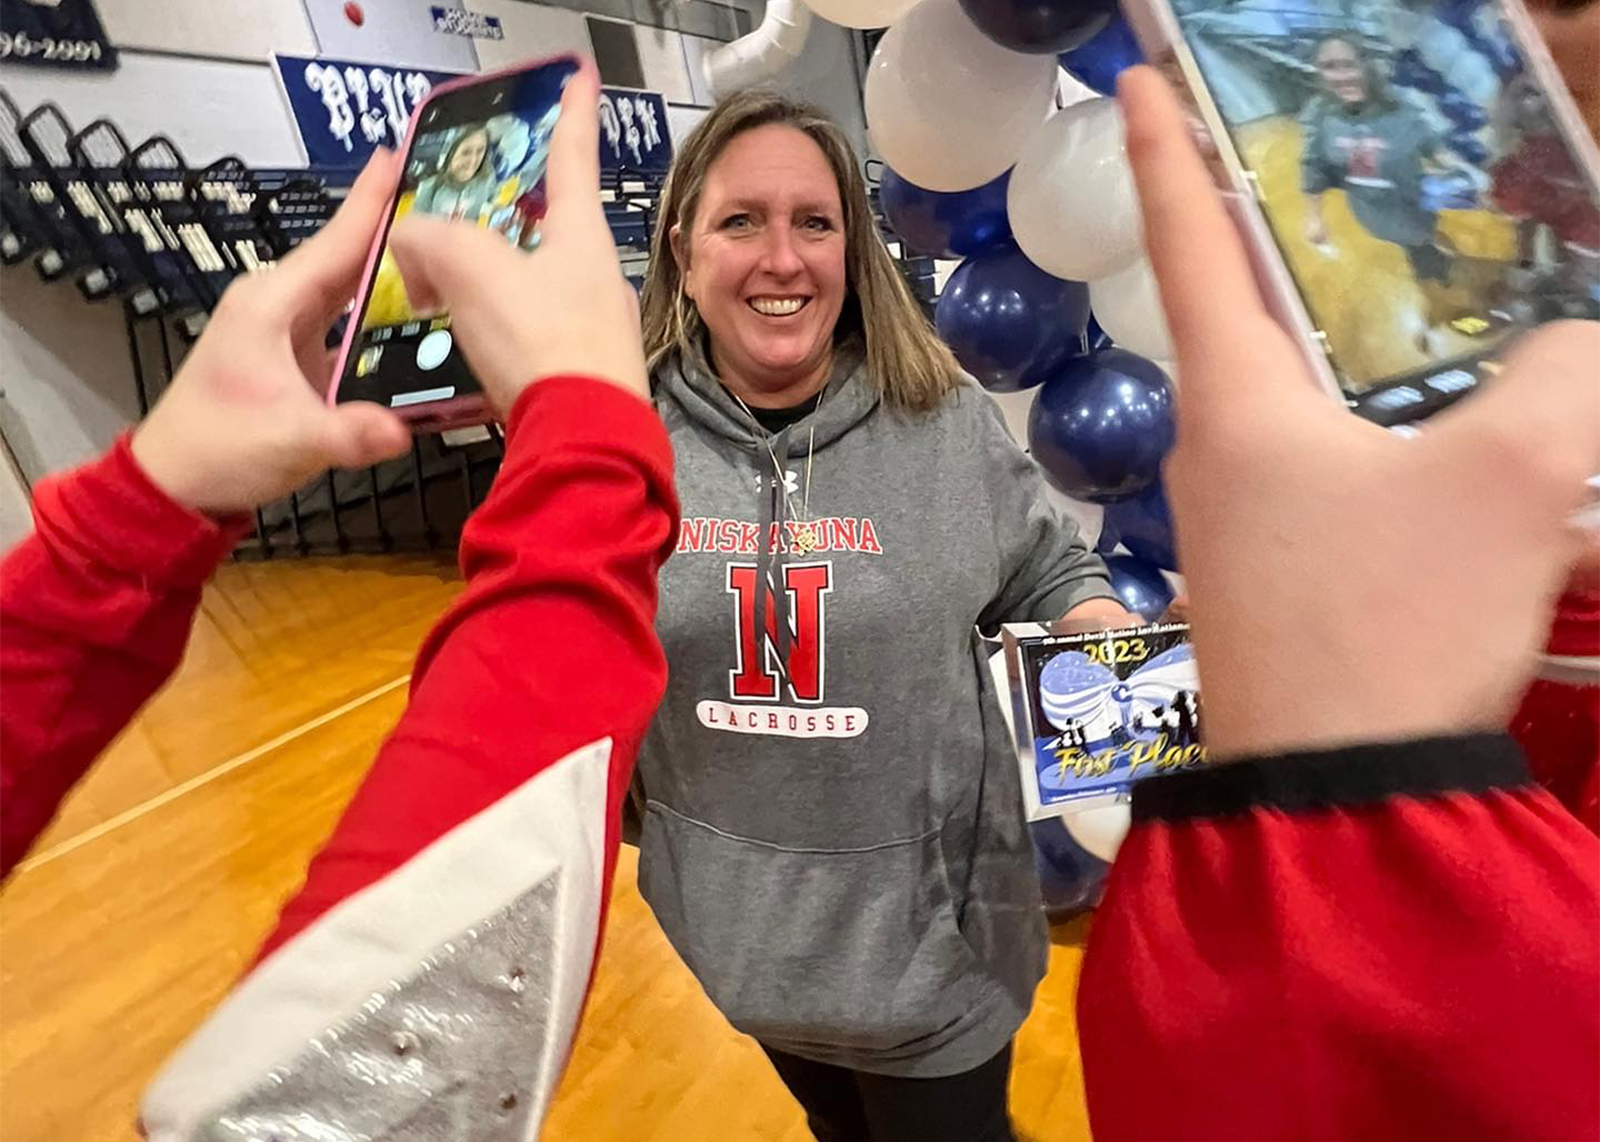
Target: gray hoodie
832, 836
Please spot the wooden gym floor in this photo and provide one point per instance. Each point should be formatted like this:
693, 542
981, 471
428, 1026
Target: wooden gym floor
167, 867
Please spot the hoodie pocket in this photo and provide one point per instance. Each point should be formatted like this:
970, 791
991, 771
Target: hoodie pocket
855, 948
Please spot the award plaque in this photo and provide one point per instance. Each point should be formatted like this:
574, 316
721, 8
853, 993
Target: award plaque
1098, 711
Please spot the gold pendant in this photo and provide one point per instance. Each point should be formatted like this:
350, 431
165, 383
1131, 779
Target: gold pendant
805, 539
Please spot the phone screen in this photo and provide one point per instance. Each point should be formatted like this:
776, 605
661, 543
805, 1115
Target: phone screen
1423, 195
478, 154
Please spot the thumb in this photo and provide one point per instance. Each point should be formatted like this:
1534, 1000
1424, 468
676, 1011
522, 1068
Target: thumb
361, 434
442, 263
1536, 426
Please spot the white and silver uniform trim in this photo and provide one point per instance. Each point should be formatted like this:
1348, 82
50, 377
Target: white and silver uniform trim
437, 1004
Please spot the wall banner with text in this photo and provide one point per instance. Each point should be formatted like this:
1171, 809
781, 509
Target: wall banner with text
54, 33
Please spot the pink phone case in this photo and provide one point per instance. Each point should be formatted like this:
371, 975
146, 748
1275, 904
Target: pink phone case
1156, 27
456, 412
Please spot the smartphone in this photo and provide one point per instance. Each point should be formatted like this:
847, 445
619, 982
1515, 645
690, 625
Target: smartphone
1411, 177
476, 152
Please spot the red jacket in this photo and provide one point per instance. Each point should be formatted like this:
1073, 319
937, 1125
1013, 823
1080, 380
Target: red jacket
1397, 942
489, 822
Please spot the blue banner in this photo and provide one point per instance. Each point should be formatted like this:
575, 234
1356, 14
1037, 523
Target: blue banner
460, 22
344, 110
633, 131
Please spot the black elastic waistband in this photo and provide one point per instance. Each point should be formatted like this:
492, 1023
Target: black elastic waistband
1336, 778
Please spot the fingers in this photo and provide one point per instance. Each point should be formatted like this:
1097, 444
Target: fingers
1205, 276
359, 434
572, 182
1536, 426
320, 276
317, 362
1573, 37
442, 263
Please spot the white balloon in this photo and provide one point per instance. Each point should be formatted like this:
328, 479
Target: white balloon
861, 13
1128, 307
947, 107
1072, 203
1100, 830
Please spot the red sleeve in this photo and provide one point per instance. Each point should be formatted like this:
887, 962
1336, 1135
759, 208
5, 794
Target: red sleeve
96, 607
551, 647
1383, 943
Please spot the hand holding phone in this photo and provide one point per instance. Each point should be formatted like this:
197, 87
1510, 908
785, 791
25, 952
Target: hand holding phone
1413, 181
565, 309
474, 177
245, 420
1345, 585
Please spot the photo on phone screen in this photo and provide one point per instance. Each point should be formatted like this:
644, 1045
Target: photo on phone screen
1427, 202
478, 154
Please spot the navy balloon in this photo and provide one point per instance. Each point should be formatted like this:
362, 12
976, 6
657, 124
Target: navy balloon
1411, 71
1143, 525
1010, 324
1039, 26
1107, 543
1098, 61
1101, 425
1097, 338
1140, 585
1072, 878
1459, 108
946, 225
1469, 147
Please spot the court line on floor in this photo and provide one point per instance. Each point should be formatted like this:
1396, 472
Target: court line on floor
220, 770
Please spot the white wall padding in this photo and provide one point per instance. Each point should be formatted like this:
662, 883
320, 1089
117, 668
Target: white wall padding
682, 120
398, 33
661, 57
210, 108
16, 509
230, 29
68, 384
532, 32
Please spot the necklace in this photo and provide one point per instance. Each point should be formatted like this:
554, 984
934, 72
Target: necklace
805, 534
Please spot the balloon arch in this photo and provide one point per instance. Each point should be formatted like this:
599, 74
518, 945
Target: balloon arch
1053, 293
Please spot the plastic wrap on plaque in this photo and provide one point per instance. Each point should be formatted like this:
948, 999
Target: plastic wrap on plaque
1097, 712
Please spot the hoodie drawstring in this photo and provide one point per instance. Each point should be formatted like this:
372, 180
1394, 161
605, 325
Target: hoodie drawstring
772, 509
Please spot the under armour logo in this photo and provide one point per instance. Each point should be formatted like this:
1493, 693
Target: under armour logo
791, 483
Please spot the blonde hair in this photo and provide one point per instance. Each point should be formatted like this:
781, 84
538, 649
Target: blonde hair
911, 367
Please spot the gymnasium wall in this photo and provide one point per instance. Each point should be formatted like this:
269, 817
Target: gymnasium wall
200, 72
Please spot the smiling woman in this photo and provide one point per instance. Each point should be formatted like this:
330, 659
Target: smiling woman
831, 826
764, 264
767, 218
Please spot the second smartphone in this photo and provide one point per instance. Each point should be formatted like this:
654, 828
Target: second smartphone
476, 152
1411, 175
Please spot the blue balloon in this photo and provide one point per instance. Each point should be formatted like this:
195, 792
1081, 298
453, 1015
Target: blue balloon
1097, 62
1097, 338
1100, 427
1469, 147
1447, 190
1459, 108
1143, 525
1072, 878
1107, 543
1010, 324
1410, 71
1042, 27
1140, 585
946, 225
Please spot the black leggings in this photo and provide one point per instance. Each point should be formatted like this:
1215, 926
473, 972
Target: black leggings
853, 1106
